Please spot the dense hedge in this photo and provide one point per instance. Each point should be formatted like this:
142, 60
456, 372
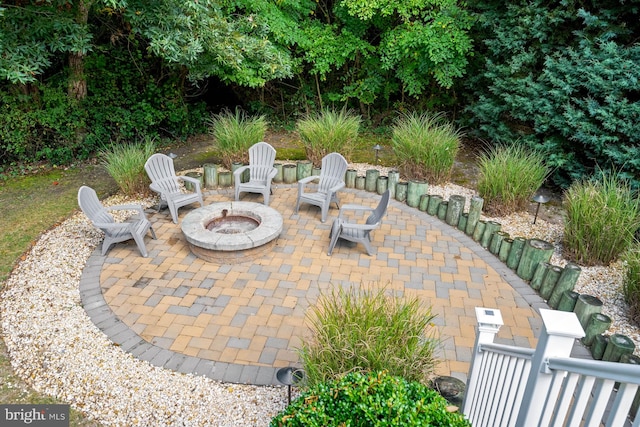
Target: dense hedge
563, 79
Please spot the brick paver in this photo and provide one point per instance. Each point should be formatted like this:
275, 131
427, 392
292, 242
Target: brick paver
242, 322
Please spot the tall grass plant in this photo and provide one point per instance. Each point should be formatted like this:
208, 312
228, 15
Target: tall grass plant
426, 146
602, 217
366, 331
631, 283
329, 131
235, 132
125, 164
509, 176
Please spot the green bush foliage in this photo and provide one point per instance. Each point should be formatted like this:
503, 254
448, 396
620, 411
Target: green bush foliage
375, 399
125, 164
42, 125
602, 217
509, 177
426, 146
560, 77
329, 131
235, 132
366, 330
631, 284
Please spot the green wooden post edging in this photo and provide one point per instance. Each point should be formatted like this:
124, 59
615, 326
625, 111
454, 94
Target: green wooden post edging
599, 345
382, 184
490, 228
350, 178
517, 246
496, 241
549, 282
304, 169
505, 248
617, 346
535, 250
289, 172
279, 173
424, 202
434, 202
479, 231
371, 179
360, 182
475, 210
566, 282
568, 301
210, 175
462, 222
454, 210
234, 167
394, 179
442, 210
585, 307
415, 189
538, 275
401, 191
224, 179
197, 175
598, 324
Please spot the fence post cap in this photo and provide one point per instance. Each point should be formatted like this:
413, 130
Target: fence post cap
561, 323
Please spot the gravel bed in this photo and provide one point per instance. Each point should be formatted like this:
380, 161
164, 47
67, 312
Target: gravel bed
56, 348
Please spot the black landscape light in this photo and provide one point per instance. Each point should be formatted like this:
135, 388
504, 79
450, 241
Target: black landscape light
289, 376
540, 199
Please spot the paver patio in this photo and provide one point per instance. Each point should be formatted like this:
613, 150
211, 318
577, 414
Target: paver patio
240, 323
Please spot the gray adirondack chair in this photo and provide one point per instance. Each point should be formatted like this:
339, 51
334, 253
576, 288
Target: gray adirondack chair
114, 232
356, 232
261, 171
331, 179
166, 183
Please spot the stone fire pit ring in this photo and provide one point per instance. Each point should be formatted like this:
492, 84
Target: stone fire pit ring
235, 247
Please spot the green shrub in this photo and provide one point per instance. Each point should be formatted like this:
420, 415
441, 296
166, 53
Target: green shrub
426, 146
509, 176
602, 216
369, 400
367, 331
235, 132
327, 132
631, 284
125, 164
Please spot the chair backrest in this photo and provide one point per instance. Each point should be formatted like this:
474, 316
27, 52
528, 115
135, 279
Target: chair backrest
334, 166
159, 167
261, 159
91, 206
378, 213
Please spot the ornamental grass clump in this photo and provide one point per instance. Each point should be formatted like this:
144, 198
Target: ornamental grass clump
235, 132
125, 164
329, 131
426, 146
374, 399
367, 331
631, 283
602, 217
509, 176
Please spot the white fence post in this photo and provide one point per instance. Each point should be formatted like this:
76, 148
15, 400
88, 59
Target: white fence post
559, 332
489, 321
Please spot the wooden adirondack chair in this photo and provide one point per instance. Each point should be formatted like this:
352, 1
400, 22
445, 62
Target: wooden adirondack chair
261, 171
114, 232
165, 182
356, 232
331, 177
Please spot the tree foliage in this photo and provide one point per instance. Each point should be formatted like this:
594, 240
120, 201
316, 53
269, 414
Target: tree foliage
560, 77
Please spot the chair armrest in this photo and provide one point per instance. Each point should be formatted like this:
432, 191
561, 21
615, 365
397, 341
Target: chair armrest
240, 170
308, 179
337, 187
353, 226
194, 181
353, 208
273, 173
112, 225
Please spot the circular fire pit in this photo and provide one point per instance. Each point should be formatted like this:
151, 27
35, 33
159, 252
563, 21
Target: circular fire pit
231, 232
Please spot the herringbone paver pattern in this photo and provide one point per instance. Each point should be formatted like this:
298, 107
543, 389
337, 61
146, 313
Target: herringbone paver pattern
241, 322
